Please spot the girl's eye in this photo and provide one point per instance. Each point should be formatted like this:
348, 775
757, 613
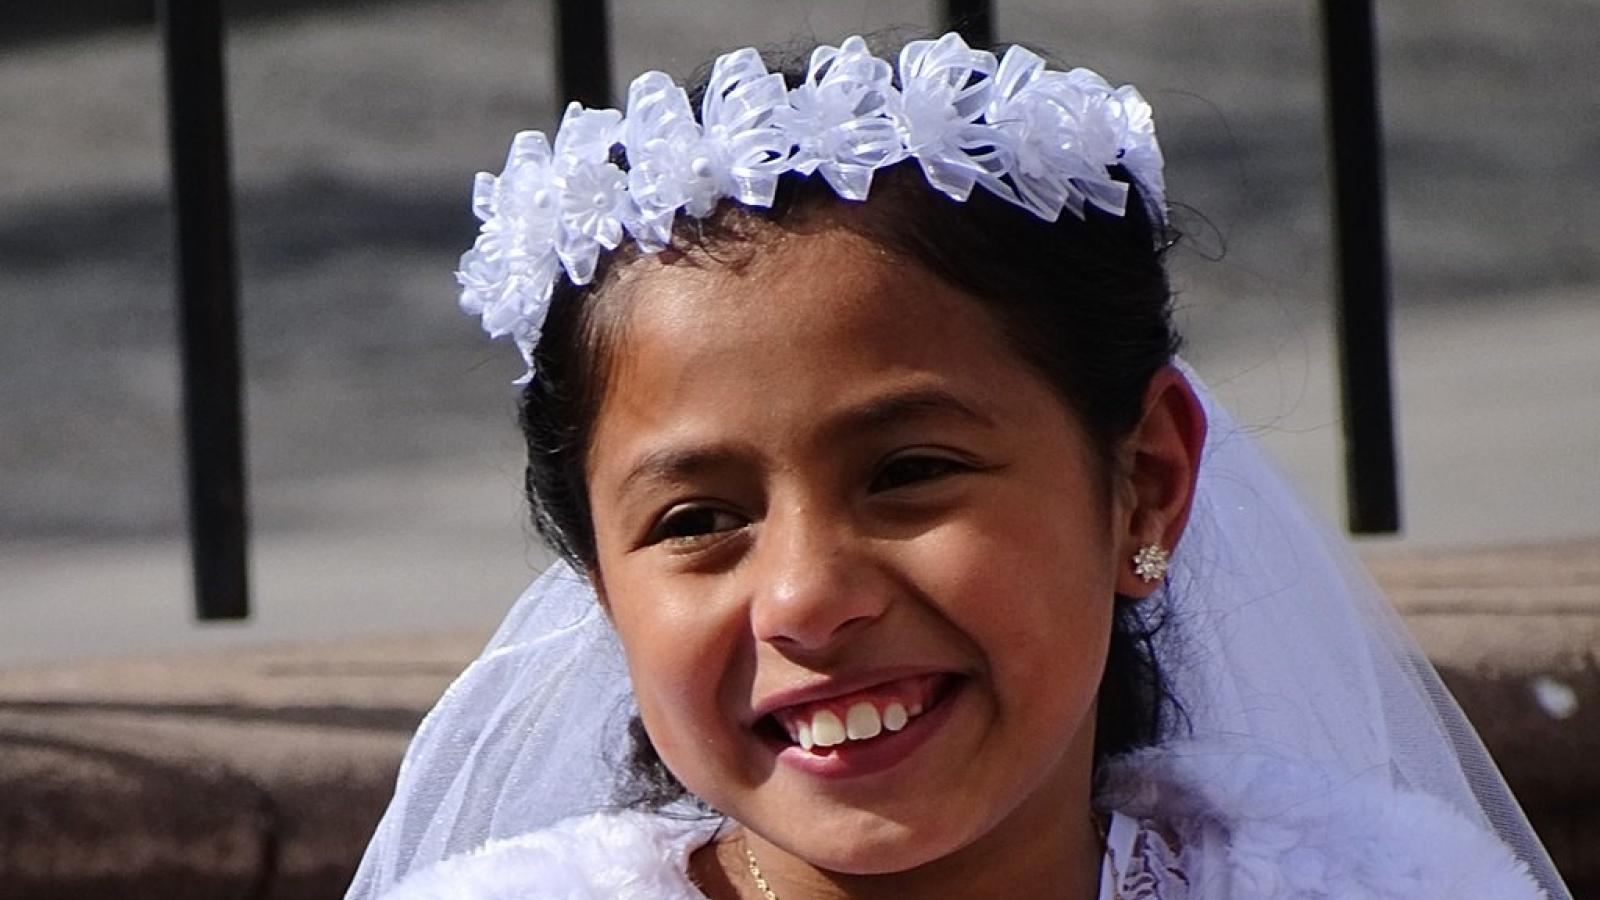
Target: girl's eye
687, 523
906, 470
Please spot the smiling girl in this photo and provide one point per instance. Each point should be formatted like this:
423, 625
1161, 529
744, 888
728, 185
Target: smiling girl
854, 414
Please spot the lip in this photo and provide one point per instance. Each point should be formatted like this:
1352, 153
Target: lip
854, 760
837, 686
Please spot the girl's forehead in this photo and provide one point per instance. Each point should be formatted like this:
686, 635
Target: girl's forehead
804, 329
829, 298
792, 282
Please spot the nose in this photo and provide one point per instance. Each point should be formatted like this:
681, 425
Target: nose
813, 582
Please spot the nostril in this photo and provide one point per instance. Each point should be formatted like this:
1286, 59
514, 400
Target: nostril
809, 634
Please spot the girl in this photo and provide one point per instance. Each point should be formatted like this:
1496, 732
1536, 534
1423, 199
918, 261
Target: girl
854, 413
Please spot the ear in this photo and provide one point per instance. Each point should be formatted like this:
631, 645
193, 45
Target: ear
1159, 464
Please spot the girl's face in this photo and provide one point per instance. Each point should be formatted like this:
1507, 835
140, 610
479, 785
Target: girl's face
860, 556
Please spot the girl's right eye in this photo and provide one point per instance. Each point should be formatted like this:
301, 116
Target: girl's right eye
687, 524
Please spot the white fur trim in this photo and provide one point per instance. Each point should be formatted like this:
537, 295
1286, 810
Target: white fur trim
1274, 829
616, 856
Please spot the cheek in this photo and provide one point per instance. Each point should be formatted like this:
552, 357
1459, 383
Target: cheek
1033, 589
1039, 551
1029, 611
682, 659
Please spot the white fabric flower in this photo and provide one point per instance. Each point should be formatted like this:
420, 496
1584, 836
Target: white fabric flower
944, 87
481, 278
592, 199
736, 150
740, 118
1137, 147
839, 118
507, 275
1098, 133
1046, 116
667, 169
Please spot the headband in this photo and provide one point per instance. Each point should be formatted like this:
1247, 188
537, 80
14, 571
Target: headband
1044, 140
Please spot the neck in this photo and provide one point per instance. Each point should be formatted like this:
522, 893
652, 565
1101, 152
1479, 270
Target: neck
1072, 872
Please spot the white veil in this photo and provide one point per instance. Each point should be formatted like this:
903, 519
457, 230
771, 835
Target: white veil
1276, 640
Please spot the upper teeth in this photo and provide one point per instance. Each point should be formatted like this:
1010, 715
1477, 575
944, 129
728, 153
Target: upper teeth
862, 721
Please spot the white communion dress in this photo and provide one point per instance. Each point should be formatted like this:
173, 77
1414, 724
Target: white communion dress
1320, 756
1200, 824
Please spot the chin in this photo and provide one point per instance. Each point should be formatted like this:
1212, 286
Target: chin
863, 843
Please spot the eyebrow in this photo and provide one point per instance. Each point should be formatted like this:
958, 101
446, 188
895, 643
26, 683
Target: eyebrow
885, 412
677, 464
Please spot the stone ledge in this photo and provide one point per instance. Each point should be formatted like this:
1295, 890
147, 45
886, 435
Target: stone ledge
257, 774
260, 774
1498, 622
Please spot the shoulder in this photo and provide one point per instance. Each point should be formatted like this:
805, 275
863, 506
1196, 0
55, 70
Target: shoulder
625, 855
1252, 825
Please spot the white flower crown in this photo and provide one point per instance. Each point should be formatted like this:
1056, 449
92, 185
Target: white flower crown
1042, 139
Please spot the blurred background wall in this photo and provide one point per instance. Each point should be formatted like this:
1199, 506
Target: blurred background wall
383, 454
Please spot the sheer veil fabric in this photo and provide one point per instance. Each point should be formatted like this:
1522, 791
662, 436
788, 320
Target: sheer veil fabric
1276, 642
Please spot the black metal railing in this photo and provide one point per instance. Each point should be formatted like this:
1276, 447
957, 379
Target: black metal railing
1361, 254
583, 52
207, 283
202, 199
973, 18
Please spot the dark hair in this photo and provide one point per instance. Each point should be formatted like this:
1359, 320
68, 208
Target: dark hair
1085, 301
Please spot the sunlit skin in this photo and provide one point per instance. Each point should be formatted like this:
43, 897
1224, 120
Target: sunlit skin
828, 462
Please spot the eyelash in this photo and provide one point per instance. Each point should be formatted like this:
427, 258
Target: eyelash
681, 516
686, 525
943, 466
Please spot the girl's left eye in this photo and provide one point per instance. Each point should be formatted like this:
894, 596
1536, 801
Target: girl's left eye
907, 470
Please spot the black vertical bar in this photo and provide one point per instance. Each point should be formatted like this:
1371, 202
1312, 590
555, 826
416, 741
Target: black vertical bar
202, 200
583, 52
974, 19
1371, 478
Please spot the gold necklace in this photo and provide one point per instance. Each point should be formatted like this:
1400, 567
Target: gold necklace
755, 872
767, 892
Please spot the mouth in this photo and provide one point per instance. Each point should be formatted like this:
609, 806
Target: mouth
862, 718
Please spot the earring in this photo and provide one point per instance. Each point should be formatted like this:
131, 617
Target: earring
1150, 563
